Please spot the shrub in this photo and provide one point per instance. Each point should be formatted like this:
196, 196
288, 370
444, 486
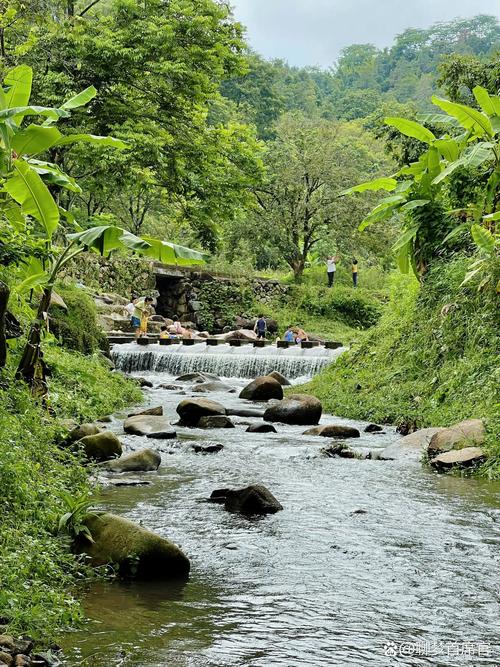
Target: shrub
77, 328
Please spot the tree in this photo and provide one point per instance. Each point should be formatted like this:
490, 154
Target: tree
309, 164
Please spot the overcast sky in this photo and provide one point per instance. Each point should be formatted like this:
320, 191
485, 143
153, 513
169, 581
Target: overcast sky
312, 32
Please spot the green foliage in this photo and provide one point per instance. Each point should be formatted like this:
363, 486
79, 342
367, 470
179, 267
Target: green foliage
431, 360
221, 302
72, 522
77, 328
37, 570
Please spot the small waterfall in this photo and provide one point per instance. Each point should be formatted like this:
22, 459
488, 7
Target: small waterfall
223, 360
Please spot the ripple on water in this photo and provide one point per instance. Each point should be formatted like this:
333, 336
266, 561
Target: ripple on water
317, 584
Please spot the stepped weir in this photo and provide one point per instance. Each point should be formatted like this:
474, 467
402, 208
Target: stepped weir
223, 360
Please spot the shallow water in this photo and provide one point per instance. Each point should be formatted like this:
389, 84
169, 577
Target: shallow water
316, 584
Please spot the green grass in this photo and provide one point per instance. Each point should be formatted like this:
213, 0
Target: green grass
422, 365
38, 572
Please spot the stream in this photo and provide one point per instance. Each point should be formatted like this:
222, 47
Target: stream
365, 554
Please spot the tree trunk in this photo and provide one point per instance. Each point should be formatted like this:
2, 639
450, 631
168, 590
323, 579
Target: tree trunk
31, 367
298, 269
4, 299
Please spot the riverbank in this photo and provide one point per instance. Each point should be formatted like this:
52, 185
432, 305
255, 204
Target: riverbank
432, 360
37, 569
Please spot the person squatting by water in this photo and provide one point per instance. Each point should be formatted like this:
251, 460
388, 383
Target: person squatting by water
260, 327
331, 267
354, 268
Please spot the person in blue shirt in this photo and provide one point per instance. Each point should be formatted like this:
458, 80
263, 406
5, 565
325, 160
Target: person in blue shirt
289, 335
260, 327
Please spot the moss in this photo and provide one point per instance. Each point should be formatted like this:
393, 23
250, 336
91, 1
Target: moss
77, 328
431, 361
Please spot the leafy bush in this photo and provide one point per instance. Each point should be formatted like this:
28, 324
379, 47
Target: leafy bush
77, 328
431, 361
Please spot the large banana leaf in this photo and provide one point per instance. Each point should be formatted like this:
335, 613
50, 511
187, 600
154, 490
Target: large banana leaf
384, 183
411, 128
49, 112
27, 188
483, 238
81, 99
382, 211
34, 139
53, 175
18, 82
171, 253
103, 239
490, 104
469, 118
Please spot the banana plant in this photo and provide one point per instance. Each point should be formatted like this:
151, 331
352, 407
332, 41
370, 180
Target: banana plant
488, 245
470, 139
26, 201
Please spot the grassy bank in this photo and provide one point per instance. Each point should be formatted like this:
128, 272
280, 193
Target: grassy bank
431, 360
38, 573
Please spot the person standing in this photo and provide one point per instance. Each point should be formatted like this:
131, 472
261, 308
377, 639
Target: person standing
354, 272
331, 267
260, 327
142, 311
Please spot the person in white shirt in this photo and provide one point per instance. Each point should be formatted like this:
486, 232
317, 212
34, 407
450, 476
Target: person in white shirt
331, 267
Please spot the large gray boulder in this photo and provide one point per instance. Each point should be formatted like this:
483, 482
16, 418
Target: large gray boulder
213, 385
147, 424
463, 458
262, 389
144, 460
300, 409
192, 409
261, 428
334, 431
284, 382
134, 549
410, 447
469, 432
253, 499
101, 446
197, 377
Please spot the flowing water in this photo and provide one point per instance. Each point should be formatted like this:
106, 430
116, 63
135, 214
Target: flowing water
365, 553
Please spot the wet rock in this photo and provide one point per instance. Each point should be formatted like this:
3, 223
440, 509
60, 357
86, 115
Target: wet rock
410, 447
101, 447
142, 382
6, 659
253, 499
169, 434
334, 431
23, 646
156, 411
245, 412
170, 387
129, 482
106, 419
147, 424
22, 660
212, 386
215, 421
81, 431
339, 450
470, 432
299, 409
197, 377
261, 428
373, 428
463, 458
208, 449
191, 410
144, 460
7, 643
284, 382
262, 389
134, 549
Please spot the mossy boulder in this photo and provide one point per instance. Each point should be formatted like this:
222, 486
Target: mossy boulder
134, 549
101, 446
468, 432
144, 460
262, 389
79, 432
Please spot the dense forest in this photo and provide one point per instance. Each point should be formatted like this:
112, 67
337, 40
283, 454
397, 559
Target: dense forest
150, 130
